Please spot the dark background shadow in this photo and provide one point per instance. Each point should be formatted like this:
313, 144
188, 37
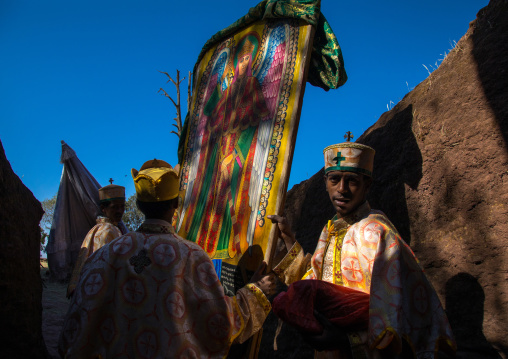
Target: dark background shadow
311, 212
465, 301
490, 52
397, 163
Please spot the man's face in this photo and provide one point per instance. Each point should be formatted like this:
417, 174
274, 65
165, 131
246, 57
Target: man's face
243, 62
114, 210
347, 190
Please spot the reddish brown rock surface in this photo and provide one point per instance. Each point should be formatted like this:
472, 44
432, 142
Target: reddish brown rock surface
20, 281
442, 177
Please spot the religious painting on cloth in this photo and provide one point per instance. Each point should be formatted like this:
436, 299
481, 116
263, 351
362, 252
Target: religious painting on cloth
237, 141
241, 132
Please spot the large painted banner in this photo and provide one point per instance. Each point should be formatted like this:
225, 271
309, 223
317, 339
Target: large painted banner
238, 139
242, 128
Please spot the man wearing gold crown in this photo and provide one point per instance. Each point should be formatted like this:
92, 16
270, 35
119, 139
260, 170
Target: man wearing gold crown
112, 205
153, 294
360, 249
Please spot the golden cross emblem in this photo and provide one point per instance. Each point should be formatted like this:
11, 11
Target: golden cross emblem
348, 136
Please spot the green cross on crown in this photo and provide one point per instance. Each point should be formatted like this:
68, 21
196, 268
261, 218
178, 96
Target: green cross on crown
338, 158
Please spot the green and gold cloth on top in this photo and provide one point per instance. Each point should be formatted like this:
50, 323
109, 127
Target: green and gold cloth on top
326, 65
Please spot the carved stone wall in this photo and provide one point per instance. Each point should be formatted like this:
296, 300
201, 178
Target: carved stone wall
20, 281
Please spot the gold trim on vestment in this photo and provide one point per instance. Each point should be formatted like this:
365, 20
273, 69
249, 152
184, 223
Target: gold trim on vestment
260, 296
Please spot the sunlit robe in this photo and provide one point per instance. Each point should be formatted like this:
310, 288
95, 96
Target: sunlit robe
364, 251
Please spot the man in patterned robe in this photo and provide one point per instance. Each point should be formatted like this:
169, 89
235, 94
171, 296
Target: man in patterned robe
361, 249
112, 204
153, 294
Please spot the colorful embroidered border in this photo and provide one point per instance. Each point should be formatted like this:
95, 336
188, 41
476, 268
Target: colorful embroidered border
237, 312
348, 145
280, 120
155, 228
309, 274
287, 260
337, 269
260, 296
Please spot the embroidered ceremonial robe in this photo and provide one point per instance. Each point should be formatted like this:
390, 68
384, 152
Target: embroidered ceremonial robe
365, 252
102, 233
152, 294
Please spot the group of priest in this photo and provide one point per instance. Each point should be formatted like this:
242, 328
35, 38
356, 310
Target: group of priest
153, 294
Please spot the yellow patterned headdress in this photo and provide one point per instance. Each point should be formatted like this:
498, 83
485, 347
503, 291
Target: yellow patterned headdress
247, 48
349, 156
111, 192
156, 181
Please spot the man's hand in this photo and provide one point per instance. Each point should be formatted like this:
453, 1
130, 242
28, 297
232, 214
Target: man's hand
332, 337
267, 283
285, 230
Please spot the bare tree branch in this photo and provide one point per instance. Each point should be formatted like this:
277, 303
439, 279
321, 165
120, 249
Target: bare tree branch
178, 108
166, 94
177, 82
169, 77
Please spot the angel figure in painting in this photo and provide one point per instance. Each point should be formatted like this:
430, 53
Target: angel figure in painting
234, 136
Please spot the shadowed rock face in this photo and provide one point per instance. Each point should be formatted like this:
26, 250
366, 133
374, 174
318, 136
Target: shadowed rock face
441, 176
20, 281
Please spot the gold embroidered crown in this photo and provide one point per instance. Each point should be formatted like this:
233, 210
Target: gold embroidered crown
156, 181
247, 48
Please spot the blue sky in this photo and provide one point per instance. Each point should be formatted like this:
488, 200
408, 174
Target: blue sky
86, 72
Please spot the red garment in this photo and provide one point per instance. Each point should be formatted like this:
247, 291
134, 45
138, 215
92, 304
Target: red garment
348, 308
